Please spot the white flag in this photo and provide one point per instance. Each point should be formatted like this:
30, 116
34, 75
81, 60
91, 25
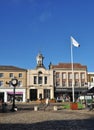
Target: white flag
74, 42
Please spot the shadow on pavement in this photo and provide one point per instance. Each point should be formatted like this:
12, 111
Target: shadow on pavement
87, 124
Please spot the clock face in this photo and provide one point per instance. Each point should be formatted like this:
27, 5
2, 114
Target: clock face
14, 82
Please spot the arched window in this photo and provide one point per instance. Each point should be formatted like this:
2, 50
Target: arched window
39, 72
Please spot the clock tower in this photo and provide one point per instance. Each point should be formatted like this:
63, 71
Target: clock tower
39, 59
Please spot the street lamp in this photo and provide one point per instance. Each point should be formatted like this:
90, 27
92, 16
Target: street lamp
14, 83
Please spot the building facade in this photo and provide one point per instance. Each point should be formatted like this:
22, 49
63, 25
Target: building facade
90, 80
6, 89
40, 81
63, 79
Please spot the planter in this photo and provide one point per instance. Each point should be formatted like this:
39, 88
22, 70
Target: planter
74, 106
52, 100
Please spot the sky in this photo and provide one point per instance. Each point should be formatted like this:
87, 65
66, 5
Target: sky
29, 27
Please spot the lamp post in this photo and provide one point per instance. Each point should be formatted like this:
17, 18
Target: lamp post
14, 83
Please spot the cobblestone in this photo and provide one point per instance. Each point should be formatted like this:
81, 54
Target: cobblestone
47, 120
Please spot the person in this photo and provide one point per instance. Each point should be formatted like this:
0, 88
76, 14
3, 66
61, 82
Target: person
47, 103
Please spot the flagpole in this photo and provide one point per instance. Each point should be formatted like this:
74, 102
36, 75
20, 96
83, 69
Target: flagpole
72, 72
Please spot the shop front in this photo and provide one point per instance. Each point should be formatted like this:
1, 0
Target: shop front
7, 96
66, 93
18, 96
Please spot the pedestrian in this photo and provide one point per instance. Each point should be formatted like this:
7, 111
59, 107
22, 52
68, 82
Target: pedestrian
47, 103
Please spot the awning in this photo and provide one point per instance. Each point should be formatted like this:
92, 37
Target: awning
89, 91
18, 93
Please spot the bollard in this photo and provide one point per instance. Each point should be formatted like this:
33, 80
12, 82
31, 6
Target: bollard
15, 109
35, 108
55, 108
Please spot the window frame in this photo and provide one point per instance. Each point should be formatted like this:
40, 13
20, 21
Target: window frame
1, 75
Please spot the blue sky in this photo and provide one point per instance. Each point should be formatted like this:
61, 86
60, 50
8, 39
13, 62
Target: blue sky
31, 26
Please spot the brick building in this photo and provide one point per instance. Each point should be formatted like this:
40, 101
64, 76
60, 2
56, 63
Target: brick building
63, 79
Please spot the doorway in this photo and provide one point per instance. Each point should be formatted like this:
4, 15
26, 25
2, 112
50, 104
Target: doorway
2, 96
33, 94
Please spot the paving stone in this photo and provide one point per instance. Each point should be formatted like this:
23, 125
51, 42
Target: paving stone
47, 120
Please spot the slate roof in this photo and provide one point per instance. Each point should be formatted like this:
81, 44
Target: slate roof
4, 67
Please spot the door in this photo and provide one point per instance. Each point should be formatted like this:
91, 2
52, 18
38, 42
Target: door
33, 94
2, 96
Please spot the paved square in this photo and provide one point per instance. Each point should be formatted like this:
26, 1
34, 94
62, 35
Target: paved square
47, 120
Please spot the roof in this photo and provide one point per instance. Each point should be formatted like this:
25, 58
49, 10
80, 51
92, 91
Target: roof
11, 68
69, 65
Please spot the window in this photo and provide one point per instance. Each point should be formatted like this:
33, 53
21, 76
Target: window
11, 75
76, 83
57, 83
76, 76
10, 85
20, 75
63, 75
57, 75
47, 93
20, 83
35, 79
45, 80
70, 83
1, 75
63, 83
70, 75
39, 72
40, 80
1, 83
82, 76
82, 83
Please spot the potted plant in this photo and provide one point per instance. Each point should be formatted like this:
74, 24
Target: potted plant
52, 100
